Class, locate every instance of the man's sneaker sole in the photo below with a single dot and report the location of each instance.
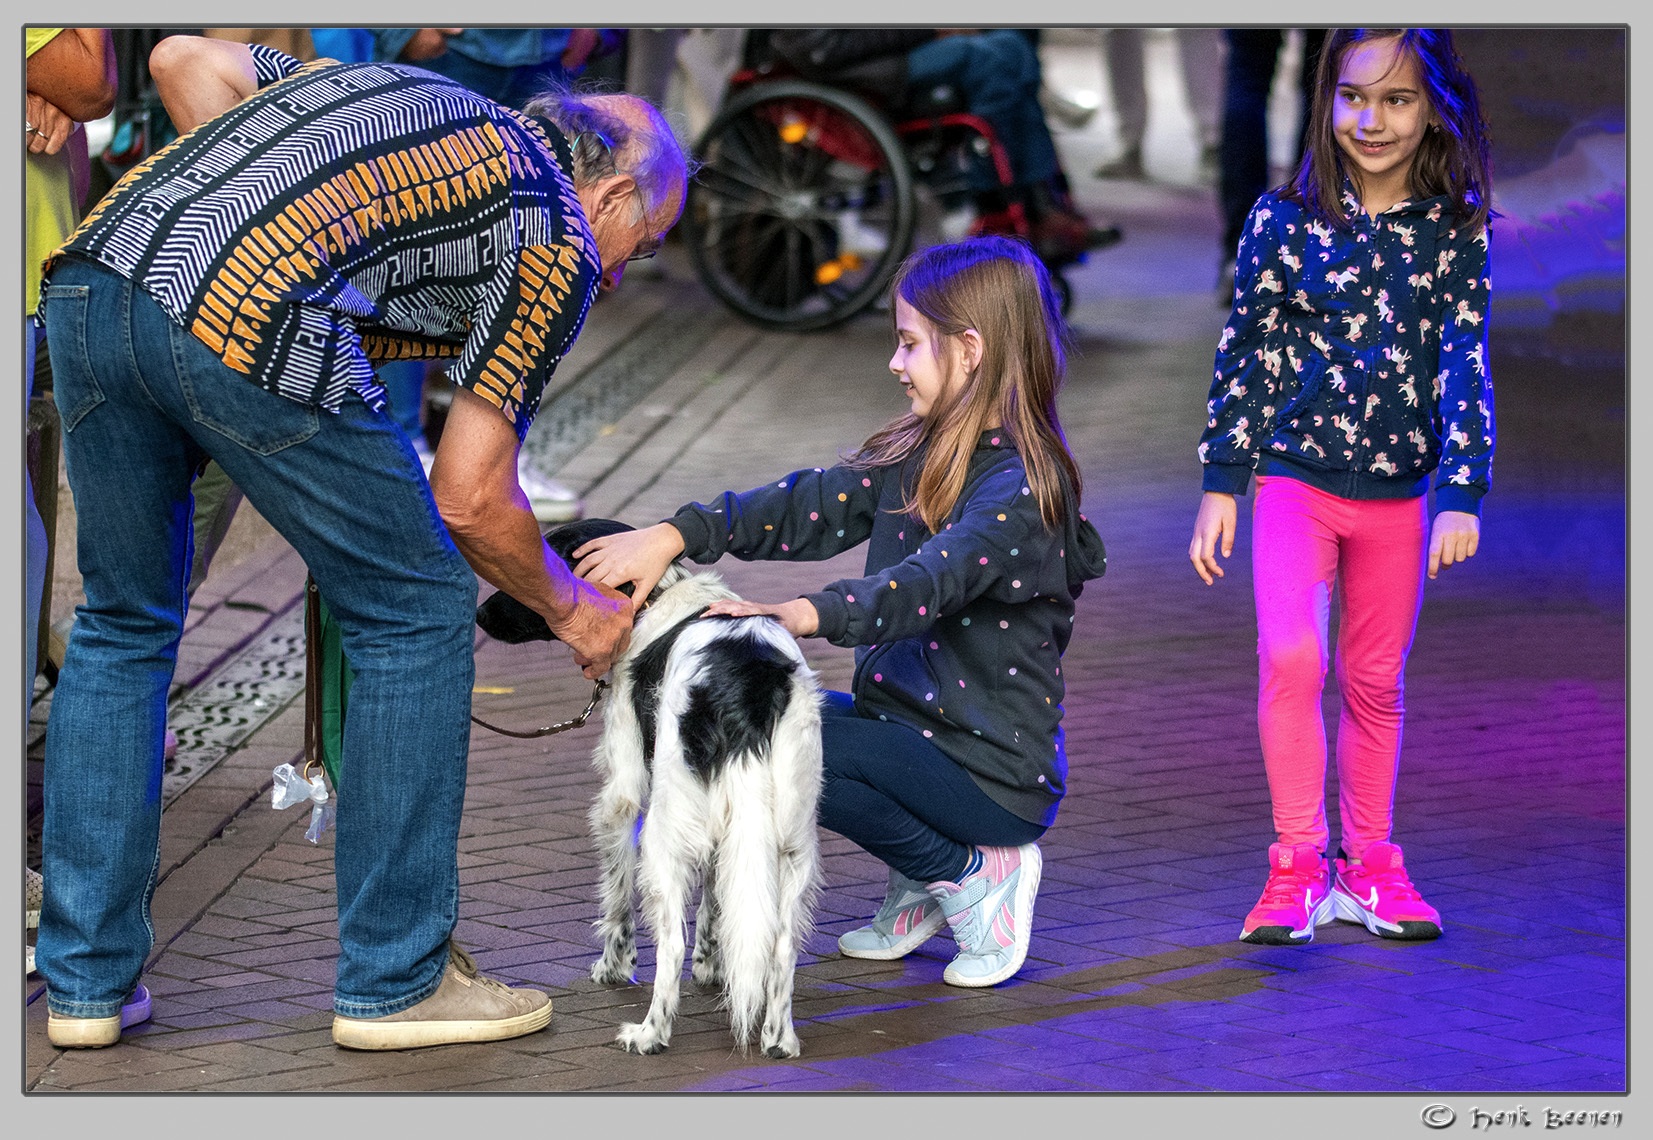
(915, 938)
(1027, 888)
(1323, 913)
(1349, 910)
(371, 1034)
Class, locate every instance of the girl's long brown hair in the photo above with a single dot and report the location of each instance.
(1454, 158)
(996, 286)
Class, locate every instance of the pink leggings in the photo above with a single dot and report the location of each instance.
(1305, 543)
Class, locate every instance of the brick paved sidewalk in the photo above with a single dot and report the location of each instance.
(1511, 803)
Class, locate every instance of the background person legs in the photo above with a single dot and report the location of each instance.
(1128, 84)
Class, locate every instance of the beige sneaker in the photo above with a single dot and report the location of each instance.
(98, 1032)
(465, 1007)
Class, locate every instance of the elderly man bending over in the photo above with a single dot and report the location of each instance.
(227, 299)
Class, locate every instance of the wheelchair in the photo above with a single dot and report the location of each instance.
(809, 196)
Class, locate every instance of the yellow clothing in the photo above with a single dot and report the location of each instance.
(49, 207)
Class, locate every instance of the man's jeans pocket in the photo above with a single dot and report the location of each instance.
(235, 407)
(74, 389)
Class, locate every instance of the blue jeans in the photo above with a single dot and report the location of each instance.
(998, 74)
(903, 799)
(143, 403)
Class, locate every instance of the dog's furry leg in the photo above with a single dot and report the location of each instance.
(671, 849)
(797, 760)
(613, 818)
(707, 964)
(614, 823)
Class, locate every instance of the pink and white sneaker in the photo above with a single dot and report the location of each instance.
(1377, 893)
(1296, 899)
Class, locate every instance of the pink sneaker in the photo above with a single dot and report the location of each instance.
(1296, 899)
(1378, 894)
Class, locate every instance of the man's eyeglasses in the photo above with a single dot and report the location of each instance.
(646, 249)
(650, 245)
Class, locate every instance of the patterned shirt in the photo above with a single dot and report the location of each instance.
(354, 213)
(1355, 360)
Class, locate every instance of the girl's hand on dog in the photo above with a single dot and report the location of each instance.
(597, 629)
(636, 556)
(798, 616)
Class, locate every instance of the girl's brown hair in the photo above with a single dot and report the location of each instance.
(1454, 158)
(996, 286)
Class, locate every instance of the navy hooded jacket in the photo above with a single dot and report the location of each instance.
(1355, 360)
(958, 635)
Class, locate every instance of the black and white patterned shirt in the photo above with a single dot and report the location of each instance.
(355, 213)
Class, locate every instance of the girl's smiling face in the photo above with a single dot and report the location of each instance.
(928, 366)
(1379, 116)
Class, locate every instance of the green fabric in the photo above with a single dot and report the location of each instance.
(333, 681)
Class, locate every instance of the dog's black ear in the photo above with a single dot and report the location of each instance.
(505, 619)
(566, 539)
(569, 537)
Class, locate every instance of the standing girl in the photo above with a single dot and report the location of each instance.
(1354, 364)
(947, 762)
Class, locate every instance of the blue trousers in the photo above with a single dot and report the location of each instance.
(998, 73)
(903, 799)
(142, 403)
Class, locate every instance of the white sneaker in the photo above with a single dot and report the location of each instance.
(855, 236)
(551, 501)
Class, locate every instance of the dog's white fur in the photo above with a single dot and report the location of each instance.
(748, 833)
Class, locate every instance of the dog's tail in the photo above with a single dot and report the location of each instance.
(768, 865)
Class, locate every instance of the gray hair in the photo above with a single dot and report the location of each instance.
(604, 142)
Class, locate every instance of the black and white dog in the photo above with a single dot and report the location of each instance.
(712, 736)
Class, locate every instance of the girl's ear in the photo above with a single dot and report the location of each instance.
(970, 350)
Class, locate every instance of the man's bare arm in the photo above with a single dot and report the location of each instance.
(74, 71)
(474, 480)
(200, 78)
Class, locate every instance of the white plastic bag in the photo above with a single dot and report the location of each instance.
(292, 788)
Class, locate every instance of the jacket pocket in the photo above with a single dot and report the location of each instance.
(1309, 382)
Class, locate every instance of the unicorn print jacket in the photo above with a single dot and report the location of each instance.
(1355, 360)
(958, 635)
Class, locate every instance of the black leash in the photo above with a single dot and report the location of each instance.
(548, 730)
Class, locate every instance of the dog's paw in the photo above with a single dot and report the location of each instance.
(707, 972)
(783, 1047)
(608, 972)
(637, 1037)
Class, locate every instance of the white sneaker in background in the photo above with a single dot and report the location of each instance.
(1073, 113)
(551, 501)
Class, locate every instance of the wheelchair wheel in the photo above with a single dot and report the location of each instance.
(803, 206)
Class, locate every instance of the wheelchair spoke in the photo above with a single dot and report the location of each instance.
(734, 190)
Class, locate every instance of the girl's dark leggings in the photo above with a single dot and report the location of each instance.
(903, 799)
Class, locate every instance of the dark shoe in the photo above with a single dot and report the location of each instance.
(1127, 166)
(1062, 236)
(465, 1007)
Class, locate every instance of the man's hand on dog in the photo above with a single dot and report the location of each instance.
(636, 556)
(798, 616)
(597, 628)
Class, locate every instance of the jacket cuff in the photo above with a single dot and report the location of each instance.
(833, 614)
(697, 536)
(1452, 497)
(1226, 478)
